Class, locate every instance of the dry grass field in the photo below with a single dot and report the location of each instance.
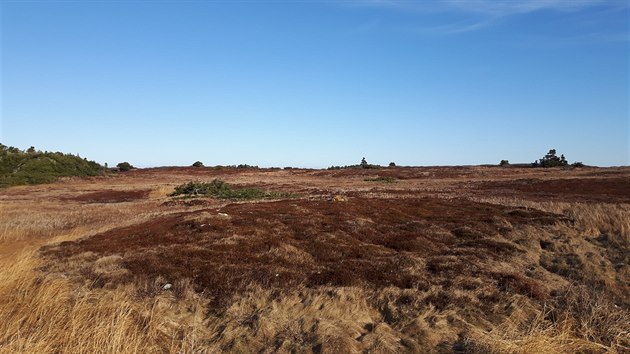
(421, 260)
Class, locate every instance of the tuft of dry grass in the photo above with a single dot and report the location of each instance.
(49, 314)
(579, 321)
(592, 219)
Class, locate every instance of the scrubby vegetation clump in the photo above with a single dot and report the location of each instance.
(124, 166)
(362, 164)
(18, 167)
(551, 160)
(221, 190)
(386, 179)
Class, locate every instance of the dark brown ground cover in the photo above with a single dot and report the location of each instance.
(291, 243)
(110, 196)
(616, 189)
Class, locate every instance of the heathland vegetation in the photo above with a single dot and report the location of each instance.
(447, 259)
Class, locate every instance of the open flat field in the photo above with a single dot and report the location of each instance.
(422, 260)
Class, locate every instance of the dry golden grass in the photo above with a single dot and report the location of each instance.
(585, 323)
(49, 314)
(592, 219)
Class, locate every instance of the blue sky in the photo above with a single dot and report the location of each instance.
(317, 83)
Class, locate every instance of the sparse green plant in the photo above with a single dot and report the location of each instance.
(386, 179)
(221, 190)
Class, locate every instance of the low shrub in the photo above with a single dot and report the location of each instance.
(381, 179)
(124, 166)
(221, 190)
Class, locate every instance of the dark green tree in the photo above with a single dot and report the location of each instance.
(364, 163)
(551, 160)
(197, 164)
(124, 166)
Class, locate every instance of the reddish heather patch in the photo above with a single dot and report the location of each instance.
(573, 189)
(289, 243)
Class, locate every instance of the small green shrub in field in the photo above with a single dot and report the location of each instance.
(221, 190)
(381, 179)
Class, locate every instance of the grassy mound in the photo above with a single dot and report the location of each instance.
(19, 167)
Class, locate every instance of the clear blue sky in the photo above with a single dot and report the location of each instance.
(317, 83)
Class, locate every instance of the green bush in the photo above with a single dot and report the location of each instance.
(19, 167)
(124, 166)
(381, 179)
(504, 163)
(197, 164)
(244, 165)
(551, 160)
(221, 190)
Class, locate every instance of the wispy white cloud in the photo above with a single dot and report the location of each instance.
(503, 8)
(495, 8)
(457, 27)
(485, 13)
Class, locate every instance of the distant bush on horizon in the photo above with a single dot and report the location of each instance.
(362, 164)
(551, 160)
(18, 167)
(125, 166)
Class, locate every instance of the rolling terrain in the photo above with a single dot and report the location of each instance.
(399, 259)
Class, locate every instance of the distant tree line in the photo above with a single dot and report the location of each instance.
(362, 164)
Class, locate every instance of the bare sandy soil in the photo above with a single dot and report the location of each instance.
(443, 259)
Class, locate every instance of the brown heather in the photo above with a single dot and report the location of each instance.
(459, 259)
